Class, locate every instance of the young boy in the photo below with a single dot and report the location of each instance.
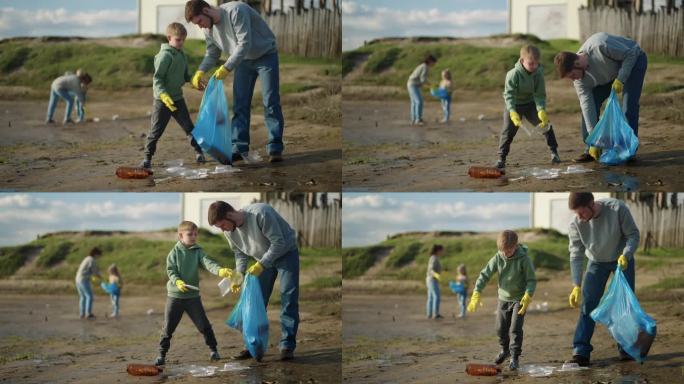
(525, 95)
(182, 265)
(170, 73)
(517, 282)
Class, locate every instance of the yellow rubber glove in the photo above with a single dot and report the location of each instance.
(437, 276)
(95, 279)
(515, 118)
(617, 86)
(221, 73)
(256, 269)
(236, 282)
(226, 272)
(197, 81)
(168, 101)
(181, 285)
(574, 298)
(543, 117)
(474, 301)
(524, 302)
(623, 262)
(595, 152)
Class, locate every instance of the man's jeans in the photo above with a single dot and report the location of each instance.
(55, 95)
(432, 297)
(85, 297)
(416, 102)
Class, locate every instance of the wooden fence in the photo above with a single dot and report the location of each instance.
(660, 32)
(659, 216)
(317, 220)
(313, 32)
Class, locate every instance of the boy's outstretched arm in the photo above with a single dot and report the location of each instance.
(482, 280)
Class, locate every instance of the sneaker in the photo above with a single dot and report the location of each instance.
(513, 365)
(624, 356)
(420, 122)
(579, 360)
(584, 158)
(160, 360)
(275, 157)
(214, 356)
(243, 355)
(503, 355)
(286, 354)
(500, 164)
(439, 317)
(49, 121)
(555, 159)
(69, 121)
(237, 156)
(200, 158)
(91, 317)
(147, 164)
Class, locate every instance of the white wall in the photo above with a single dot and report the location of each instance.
(155, 15)
(548, 19)
(194, 206)
(550, 210)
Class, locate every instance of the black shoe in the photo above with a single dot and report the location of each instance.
(624, 356)
(90, 317)
(500, 164)
(49, 121)
(237, 157)
(214, 356)
(286, 354)
(513, 365)
(69, 121)
(147, 164)
(200, 158)
(160, 360)
(243, 355)
(579, 360)
(438, 317)
(584, 158)
(275, 157)
(503, 355)
(555, 159)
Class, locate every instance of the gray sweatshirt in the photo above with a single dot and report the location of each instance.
(264, 235)
(87, 269)
(419, 75)
(604, 238)
(241, 33)
(610, 57)
(433, 266)
(71, 83)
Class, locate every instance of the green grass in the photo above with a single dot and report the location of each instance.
(668, 283)
(356, 261)
(326, 282)
(53, 253)
(403, 254)
(12, 258)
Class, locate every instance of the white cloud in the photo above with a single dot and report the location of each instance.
(106, 22)
(15, 200)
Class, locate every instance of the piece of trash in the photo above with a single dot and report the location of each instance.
(163, 180)
(658, 183)
(462, 119)
(536, 370)
(148, 113)
(311, 182)
(543, 173)
(517, 178)
(480, 117)
(224, 169)
(192, 287)
(268, 184)
(228, 367)
(482, 369)
(195, 174)
(115, 117)
(224, 286)
(143, 370)
(198, 371)
(96, 119)
(485, 172)
(526, 130)
(133, 173)
(174, 163)
(577, 168)
(150, 311)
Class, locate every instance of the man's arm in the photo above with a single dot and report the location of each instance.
(629, 230)
(587, 104)
(243, 36)
(623, 53)
(211, 56)
(272, 230)
(577, 249)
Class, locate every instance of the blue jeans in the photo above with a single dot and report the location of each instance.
(446, 108)
(69, 97)
(416, 102)
(246, 73)
(115, 305)
(85, 297)
(462, 299)
(288, 268)
(593, 285)
(432, 297)
(631, 93)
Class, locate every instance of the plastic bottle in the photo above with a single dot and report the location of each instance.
(133, 172)
(482, 369)
(485, 172)
(143, 370)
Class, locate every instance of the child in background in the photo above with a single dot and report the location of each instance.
(69, 87)
(113, 288)
(462, 279)
(415, 81)
(445, 88)
(517, 283)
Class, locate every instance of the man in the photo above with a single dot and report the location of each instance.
(258, 231)
(239, 31)
(603, 231)
(604, 62)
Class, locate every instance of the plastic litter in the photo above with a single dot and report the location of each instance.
(212, 129)
(224, 286)
(440, 93)
(249, 316)
(480, 117)
(133, 173)
(115, 117)
(230, 367)
(96, 119)
(536, 370)
(192, 287)
(485, 172)
(577, 168)
(482, 369)
(224, 169)
(143, 370)
(199, 371)
(613, 134)
(150, 311)
(457, 288)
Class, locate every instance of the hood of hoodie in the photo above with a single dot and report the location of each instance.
(520, 251)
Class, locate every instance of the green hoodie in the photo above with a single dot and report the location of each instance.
(523, 87)
(183, 263)
(516, 275)
(170, 72)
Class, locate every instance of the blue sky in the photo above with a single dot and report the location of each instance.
(364, 20)
(23, 216)
(367, 218)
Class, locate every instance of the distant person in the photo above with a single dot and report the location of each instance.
(87, 272)
(70, 87)
(445, 86)
(237, 30)
(525, 96)
(170, 73)
(517, 282)
(182, 266)
(113, 288)
(432, 279)
(417, 79)
(462, 279)
(603, 63)
(604, 232)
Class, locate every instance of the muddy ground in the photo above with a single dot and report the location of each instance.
(84, 157)
(383, 152)
(388, 339)
(42, 340)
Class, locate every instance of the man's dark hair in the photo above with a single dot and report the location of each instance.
(95, 252)
(565, 63)
(436, 248)
(580, 199)
(194, 8)
(218, 211)
(430, 59)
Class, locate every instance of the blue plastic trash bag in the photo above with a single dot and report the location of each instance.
(249, 316)
(110, 288)
(212, 128)
(457, 288)
(620, 311)
(440, 93)
(613, 134)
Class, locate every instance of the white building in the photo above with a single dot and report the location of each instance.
(547, 19)
(155, 15)
(550, 210)
(195, 206)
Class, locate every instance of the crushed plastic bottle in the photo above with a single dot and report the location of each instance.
(482, 369)
(143, 370)
(485, 172)
(133, 173)
(224, 286)
(199, 371)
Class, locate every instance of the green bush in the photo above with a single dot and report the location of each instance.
(53, 254)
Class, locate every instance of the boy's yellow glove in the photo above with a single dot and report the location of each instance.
(574, 298)
(225, 272)
(437, 276)
(617, 86)
(168, 101)
(524, 302)
(221, 73)
(543, 117)
(515, 118)
(623, 262)
(256, 269)
(474, 301)
(181, 285)
(197, 81)
(595, 152)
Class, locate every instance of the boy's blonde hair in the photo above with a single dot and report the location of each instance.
(176, 30)
(186, 226)
(529, 52)
(506, 240)
(446, 74)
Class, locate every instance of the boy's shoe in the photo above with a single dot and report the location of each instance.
(237, 156)
(275, 157)
(90, 317)
(500, 164)
(160, 360)
(579, 360)
(584, 158)
(69, 121)
(200, 158)
(49, 121)
(513, 365)
(503, 355)
(438, 317)
(147, 164)
(243, 355)
(286, 354)
(214, 356)
(555, 159)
